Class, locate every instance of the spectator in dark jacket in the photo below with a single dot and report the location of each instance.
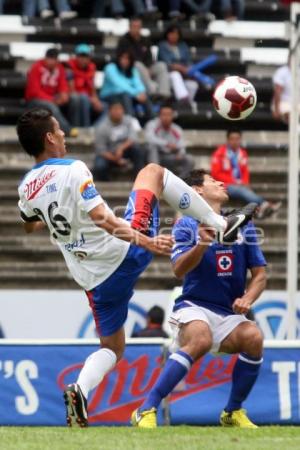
(230, 164)
(155, 319)
(83, 96)
(154, 74)
(122, 82)
(116, 143)
(47, 87)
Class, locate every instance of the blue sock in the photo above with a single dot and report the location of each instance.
(244, 375)
(176, 368)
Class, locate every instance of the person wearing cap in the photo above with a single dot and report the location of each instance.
(83, 96)
(47, 87)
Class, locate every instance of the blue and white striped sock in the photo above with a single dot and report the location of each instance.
(176, 368)
(244, 375)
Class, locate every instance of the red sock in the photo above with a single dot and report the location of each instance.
(144, 202)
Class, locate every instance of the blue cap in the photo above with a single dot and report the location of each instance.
(83, 49)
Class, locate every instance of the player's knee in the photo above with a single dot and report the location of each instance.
(154, 169)
(253, 341)
(198, 346)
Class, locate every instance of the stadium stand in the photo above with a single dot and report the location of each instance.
(254, 54)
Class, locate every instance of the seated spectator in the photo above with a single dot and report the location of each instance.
(117, 8)
(282, 90)
(199, 8)
(116, 143)
(154, 74)
(47, 87)
(122, 82)
(83, 96)
(176, 54)
(155, 320)
(230, 164)
(63, 9)
(2, 6)
(166, 144)
(231, 9)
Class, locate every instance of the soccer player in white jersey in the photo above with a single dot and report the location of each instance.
(104, 254)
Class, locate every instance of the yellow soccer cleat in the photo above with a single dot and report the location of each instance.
(236, 418)
(144, 419)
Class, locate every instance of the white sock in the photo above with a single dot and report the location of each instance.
(96, 366)
(185, 200)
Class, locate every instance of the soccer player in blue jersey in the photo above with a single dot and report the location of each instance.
(105, 254)
(210, 313)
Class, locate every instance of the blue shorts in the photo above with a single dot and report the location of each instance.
(109, 300)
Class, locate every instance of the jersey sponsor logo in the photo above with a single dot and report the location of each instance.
(76, 244)
(88, 190)
(34, 186)
(224, 262)
(185, 201)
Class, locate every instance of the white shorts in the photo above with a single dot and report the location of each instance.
(220, 326)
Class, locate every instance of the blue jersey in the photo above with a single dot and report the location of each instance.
(220, 277)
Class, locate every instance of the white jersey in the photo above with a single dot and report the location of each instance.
(61, 192)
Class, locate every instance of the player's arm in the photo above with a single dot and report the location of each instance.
(256, 286)
(31, 221)
(277, 96)
(191, 258)
(119, 228)
(31, 227)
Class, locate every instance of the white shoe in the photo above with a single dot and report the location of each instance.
(46, 14)
(68, 15)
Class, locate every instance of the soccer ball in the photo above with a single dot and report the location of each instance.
(234, 98)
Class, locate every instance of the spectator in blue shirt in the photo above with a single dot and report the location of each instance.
(210, 313)
(123, 83)
(185, 75)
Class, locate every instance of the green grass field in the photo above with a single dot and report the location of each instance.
(170, 438)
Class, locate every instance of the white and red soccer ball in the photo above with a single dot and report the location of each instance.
(234, 98)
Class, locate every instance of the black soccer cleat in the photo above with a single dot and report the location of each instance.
(235, 221)
(76, 407)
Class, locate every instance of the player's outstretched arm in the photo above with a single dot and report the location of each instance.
(121, 229)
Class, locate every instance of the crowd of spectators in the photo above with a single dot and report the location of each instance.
(173, 9)
(137, 85)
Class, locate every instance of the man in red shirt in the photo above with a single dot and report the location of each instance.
(230, 164)
(81, 77)
(47, 87)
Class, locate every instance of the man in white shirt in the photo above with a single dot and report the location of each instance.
(105, 254)
(282, 91)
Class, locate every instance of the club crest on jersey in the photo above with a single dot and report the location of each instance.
(184, 201)
(88, 190)
(224, 260)
(34, 186)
